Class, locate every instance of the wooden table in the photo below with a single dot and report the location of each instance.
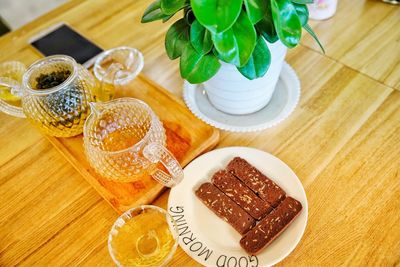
(343, 141)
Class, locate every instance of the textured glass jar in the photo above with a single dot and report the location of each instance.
(125, 140)
(58, 111)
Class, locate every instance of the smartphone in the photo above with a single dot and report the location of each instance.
(62, 39)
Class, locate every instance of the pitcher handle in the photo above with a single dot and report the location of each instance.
(14, 89)
(155, 153)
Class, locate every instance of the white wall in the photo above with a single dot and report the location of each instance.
(19, 12)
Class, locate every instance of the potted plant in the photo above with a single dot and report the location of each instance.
(236, 48)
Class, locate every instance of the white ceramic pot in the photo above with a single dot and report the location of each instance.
(230, 92)
(322, 9)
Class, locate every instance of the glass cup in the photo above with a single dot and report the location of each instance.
(143, 236)
(116, 68)
(11, 73)
(124, 140)
(59, 110)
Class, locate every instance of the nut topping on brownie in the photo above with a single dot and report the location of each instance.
(225, 207)
(241, 194)
(271, 226)
(256, 181)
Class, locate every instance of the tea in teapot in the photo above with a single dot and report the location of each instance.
(55, 93)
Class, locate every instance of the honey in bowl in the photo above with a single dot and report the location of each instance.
(143, 236)
(11, 73)
(6, 95)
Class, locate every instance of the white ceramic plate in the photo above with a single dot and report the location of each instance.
(282, 104)
(211, 241)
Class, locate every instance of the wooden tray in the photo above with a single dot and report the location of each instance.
(187, 137)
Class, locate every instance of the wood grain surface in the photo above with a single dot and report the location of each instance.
(343, 141)
(364, 35)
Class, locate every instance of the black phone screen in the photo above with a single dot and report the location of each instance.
(66, 41)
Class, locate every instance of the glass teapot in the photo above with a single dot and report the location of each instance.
(55, 93)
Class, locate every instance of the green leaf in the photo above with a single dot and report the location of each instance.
(312, 33)
(303, 1)
(153, 12)
(256, 9)
(266, 26)
(267, 29)
(198, 68)
(165, 19)
(176, 39)
(236, 44)
(216, 15)
(170, 7)
(286, 21)
(189, 16)
(302, 12)
(259, 61)
(200, 38)
(215, 53)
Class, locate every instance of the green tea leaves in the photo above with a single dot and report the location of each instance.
(216, 15)
(287, 22)
(198, 68)
(170, 7)
(236, 44)
(259, 61)
(177, 39)
(256, 9)
(200, 38)
(153, 12)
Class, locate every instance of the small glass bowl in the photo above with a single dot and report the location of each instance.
(11, 73)
(143, 236)
(119, 65)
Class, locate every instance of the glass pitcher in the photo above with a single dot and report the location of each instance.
(62, 106)
(124, 140)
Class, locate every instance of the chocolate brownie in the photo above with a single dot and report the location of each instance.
(241, 194)
(271, 226)
(225, 207)
(256, 181)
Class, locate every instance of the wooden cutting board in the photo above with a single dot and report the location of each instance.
(187, 138)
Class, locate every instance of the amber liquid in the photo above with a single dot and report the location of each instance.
(5, 93)
(145, 240)
(106, 89)
(122, 138)
(103, 91)
(62, 115)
